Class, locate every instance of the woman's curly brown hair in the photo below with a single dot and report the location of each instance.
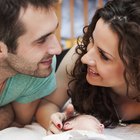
(123, 17)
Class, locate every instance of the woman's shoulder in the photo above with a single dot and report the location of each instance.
(69, 60)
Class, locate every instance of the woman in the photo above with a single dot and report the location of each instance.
(106, 76)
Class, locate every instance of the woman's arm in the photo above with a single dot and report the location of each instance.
(55, 101)
(24, 112)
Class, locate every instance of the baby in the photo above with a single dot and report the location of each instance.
(90, 129)
(83, 122)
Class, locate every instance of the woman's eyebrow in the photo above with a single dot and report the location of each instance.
(101, 48)
(105, 52)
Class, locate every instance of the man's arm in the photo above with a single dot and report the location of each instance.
(55, 101)
(24, 112)
(6, 116)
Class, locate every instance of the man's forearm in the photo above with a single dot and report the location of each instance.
(6, 116)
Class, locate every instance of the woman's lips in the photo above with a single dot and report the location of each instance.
(92, 72)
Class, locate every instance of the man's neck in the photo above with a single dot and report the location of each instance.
(2, 84)
(6, 71)
(5, 74)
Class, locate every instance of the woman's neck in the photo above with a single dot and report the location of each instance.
(122, 97)
(122, 91)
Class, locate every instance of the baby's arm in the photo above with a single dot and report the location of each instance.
(6, 116)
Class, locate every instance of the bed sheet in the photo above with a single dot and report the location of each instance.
(80, 135)
(130, 132)
(29, 132)
(36, 132)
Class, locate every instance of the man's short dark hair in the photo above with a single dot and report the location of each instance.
(10, 27)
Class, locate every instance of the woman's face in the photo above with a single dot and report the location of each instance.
(104, 66)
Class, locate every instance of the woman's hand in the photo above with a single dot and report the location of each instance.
(56, 123)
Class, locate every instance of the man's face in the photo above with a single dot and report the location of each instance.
(37, 45)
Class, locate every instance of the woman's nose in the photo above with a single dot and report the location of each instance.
(88, 59)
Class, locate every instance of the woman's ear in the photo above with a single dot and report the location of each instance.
(67, 126)
(3, 50)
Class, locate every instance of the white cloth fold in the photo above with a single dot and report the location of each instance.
(80, 135)
(36, 132)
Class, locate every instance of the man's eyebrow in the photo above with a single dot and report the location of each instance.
(46, 35)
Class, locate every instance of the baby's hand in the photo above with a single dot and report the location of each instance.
(56, 123)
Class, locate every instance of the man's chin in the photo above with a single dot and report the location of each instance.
(42, 74)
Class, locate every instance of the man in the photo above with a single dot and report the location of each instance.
(28, 46)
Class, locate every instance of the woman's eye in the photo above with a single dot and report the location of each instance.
(103, 56)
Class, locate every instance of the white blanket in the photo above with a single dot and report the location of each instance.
(29, 132)
(80, 135)
(36, 132)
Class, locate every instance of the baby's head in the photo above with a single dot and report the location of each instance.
(83, 122)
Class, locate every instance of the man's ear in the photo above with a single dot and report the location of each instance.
(3, 50)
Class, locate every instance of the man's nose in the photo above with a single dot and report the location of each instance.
(54, 47)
